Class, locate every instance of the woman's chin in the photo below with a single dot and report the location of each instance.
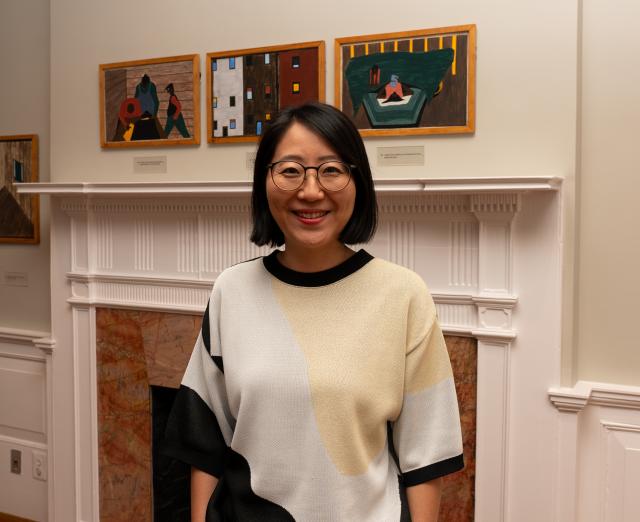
(315, 242)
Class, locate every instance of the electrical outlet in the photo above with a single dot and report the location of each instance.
(39, 464)
(16, 462)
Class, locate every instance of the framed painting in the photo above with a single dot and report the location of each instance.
(247, 88)
(412, 82)
(19, 213)
(150, 103)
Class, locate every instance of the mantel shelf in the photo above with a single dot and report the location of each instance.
(469, 185)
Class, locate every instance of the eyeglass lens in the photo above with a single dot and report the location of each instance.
(290, 175)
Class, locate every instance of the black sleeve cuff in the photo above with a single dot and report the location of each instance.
(433, 471)
(193, 434)
(201, 461)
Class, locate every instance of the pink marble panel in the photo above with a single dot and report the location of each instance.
(134, 350)
(458, 499)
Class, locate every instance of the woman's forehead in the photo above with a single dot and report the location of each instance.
(299, 142)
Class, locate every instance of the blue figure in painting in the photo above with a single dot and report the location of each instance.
(147, 126)
(147, 95)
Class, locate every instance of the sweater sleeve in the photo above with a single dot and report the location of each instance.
(427, 436)
(200, 425)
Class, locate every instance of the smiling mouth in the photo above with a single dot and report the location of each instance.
(311, 215)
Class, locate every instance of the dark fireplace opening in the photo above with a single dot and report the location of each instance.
(171, 502)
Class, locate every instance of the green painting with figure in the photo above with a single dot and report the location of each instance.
(414, 82)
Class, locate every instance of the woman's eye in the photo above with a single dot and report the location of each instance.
(331, 171)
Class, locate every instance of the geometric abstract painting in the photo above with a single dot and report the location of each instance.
(246, 89)
(147, 103)
(19, 213)
(412, 82)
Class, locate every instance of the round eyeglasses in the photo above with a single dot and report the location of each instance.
(290, 175)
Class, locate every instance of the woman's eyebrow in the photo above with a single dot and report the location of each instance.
(296, 157)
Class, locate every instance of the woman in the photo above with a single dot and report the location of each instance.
(320, 388)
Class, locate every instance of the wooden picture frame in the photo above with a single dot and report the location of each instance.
(150, 103)
(410, 82)
(19, 213)
(255, 84)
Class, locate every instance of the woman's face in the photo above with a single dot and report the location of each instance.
(310, 217)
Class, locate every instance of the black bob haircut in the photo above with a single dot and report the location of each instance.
(342, 136)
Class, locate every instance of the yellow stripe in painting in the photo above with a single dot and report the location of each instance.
(366, 49)
(352, 51)
(410, 45)
(441, 42)
(395, 46)
(454, 41)
(381, 47)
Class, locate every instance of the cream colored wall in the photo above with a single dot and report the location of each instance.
(527, 86)
(24, 109)
(526, 119)
(525, 82)
(608, 348)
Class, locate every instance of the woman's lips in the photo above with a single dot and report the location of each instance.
(310, 217)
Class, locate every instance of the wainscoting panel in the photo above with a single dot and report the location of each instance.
(23, 424)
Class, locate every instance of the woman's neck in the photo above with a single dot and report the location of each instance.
(310, 260)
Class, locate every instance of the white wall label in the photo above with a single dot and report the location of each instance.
(150, 165)
(16, 279)
(393, 156)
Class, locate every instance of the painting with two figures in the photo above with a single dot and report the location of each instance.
(150, 102)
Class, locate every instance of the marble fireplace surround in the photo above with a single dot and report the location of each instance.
(489, 249)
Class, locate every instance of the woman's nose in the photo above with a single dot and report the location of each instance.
(311, 188)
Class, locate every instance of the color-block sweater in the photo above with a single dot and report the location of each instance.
(317, 396)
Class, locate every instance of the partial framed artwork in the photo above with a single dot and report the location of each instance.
(150, 103)
(19, 213)
(246, 89)
(411, 82)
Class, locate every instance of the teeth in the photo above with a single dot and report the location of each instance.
(311, 215)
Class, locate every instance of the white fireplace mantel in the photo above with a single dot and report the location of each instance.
(122, 232)
(489, 249)
(383, 186)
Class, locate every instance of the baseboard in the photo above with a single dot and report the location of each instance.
(11, 518)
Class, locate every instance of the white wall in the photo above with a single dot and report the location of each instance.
(525, 79)
(24, 109)
(609, 214)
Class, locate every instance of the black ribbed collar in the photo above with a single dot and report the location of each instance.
(325, 277)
